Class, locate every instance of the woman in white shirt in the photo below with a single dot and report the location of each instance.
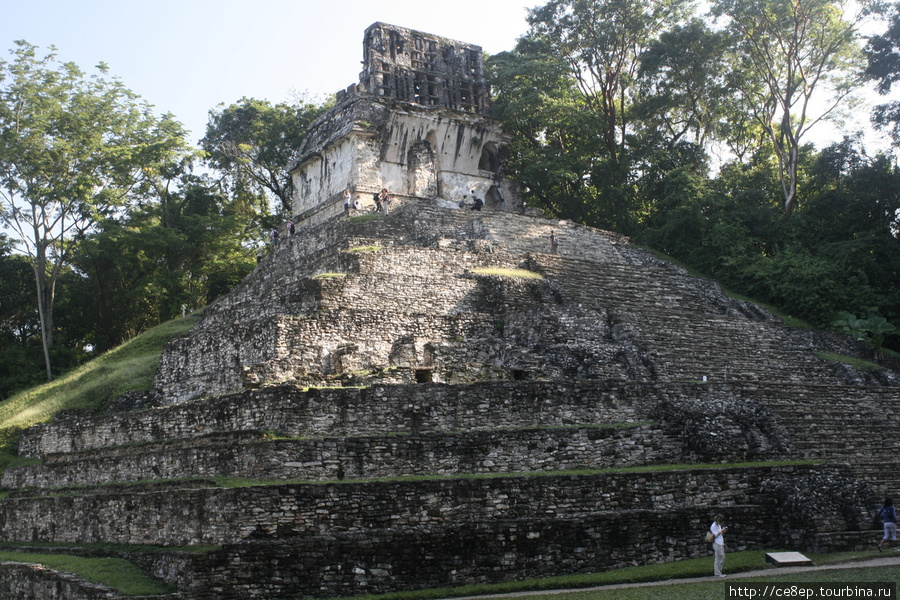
(718, 544)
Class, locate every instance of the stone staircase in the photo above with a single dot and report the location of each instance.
(411, 422)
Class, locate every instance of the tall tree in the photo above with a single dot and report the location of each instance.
(682, 78)
(883, 54)
(148, 266)
(252, 142)
(552, 150)
(72, 148)
(601, 41)
(790, 51)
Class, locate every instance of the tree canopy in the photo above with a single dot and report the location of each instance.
(789, 53)
(601, 42)
(883, 55)
(252, 141)
(72, 149)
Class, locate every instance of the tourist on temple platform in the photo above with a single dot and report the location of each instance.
(477, 203)
(273, 235)
(554, 243)
(385, 198)
(347, 201)
(291, 228)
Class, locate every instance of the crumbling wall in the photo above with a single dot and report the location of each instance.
(178, 515)
(387, 560)
(251, 456)
(418, 124)
(290, 541)
(425, 69)
(383, 148)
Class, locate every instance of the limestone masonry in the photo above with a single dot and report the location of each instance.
(438, 397)
(418, 124)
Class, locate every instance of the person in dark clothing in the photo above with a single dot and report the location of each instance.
(888, 514)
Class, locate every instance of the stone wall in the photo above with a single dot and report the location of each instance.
(245, 455)
(364, 144)
(490, 404)
(231, 515)
(425, 69)
(409, 284)
(332, 412)
(418, 124)
(350, 411)
(471, 384)
(390, 559)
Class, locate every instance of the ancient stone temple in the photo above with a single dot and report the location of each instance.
(418, 124)
(441, 396)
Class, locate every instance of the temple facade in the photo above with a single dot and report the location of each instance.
(418, 124)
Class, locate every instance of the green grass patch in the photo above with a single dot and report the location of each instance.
(363, 249)
(735, 563)
(271, 435)
(329, 275)
(856, 363)
(128, 367)
(696, 567)
(519, 273)
(116, 573)
(716, 589)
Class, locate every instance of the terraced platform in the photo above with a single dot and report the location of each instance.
(388, 404)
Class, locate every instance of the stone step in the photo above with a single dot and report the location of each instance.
(340, 412)
(429, 296)
(434, 407)
(183, 517)
(248, 456)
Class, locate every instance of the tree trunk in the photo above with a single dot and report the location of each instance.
(45, 307)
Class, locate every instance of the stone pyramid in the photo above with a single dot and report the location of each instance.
(439, 396)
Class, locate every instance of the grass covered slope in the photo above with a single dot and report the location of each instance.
(130, 367)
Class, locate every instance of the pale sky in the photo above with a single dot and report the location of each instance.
(187, 56)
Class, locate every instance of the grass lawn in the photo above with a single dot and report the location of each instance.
(116, 573)
(717, 589)
(713, 589)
